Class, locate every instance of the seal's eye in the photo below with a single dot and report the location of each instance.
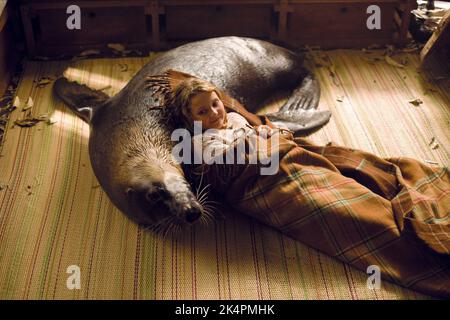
(157, 194)
(129, 192)
(153, 196)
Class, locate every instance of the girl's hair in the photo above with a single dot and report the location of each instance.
(181, 99)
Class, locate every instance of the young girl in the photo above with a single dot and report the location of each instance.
(367, 211)
(197, 100)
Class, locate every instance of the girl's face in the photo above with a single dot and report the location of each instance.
(209, 109)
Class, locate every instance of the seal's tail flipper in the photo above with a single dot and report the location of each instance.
(305, 96)
(300, 112)
(81, 99)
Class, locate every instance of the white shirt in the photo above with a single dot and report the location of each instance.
(215, 141)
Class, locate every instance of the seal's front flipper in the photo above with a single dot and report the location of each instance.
(301, 121)
(81, 99)
(306, 96)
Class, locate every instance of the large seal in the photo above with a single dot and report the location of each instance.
(130, 146)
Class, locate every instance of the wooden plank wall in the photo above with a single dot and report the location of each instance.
(163, 24)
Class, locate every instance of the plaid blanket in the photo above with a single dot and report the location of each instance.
(362, 209)
(355, 206)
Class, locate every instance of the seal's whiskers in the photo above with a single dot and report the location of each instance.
(168, 225)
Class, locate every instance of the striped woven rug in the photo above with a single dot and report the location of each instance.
(54, 215)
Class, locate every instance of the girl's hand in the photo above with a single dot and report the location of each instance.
(264, 130)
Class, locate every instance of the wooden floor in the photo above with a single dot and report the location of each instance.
(53, 214)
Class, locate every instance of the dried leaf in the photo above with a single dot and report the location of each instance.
(29, 105)
(432, 141)
(43, 117)
(90, 52)
(117, 47)
(123, 67)
(31, 121)
(332, 74)
(26, 122)
(416, 102)
(392, 62)
(43, 81)
(390, 49)
(16, 101)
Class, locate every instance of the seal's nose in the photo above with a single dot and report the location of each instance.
(182, 204)
(193, 215)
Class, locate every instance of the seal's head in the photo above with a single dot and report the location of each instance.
(131, 154)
